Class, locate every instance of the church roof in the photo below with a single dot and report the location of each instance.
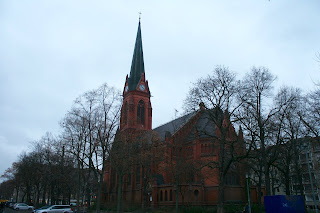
(172, 126)
(205, 126)
(137, 65)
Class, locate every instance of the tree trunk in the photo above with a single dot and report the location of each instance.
(99, 192)
(267, 178)
(88, 195)
(79, 185)
(144, 195)
(17, 196)
(37, 197)
(287, 183)
(259, 192)
(299, 175)
(28, 194)
(264, 157)
(221, 168)
(220, 208)
(119, 193)
(177, 196)
(44, 195)
(22, 200)
(178, 163)
(273, 189)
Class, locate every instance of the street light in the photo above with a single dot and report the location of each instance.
(248, 192)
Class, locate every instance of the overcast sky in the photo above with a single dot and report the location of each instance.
(53, 51)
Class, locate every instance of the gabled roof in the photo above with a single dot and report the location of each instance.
(172, 126)
(137, 65)
(204, 126)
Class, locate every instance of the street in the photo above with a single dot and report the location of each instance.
(9, 210)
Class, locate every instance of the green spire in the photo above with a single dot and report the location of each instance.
(137, 66)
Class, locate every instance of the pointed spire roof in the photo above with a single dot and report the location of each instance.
(137, 66)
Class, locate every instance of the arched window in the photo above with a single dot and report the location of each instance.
(170, 196)
(125, 113)
(196, 192)
(160, 195)
(140, 112)
(166, 195)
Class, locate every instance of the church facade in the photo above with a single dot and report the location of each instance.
(190, 149)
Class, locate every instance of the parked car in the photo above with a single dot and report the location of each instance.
(10, 204)
(22, 206)
(56, 209)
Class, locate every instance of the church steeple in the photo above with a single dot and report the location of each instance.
(136, 112)
(137, 65)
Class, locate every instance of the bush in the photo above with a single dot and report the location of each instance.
(255, 208)
(194, 209)
(132, 208)
(232, 208)
(165, 209)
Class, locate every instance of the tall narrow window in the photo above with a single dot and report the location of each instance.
(125, 113)
(140, 112)
(129, 179)
(113, 178)
(138, 175)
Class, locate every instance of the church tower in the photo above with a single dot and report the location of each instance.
(136, 111)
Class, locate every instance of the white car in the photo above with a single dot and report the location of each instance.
(56, 209)
(22, 206)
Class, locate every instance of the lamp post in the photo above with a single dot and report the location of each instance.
(311, 181)
(248, 192)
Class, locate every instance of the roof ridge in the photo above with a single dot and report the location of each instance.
(195, 112)
(181, 126)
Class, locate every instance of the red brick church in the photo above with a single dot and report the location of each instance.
(189, 141)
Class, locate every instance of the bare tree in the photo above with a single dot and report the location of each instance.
(178, 163)
(11, 175)
(257, 87)
(121, 159)
(287, 129)
(219, 93)
(90, 129)
(310, 116)
(75, 134)
(42, 172)
(180, 167)
(6, 189)
(134, 153)
(265, 121)
(149, 153)
(107, 123)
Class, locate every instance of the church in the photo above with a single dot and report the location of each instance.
(189, 145)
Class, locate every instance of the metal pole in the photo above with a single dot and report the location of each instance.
(314, 197)
(247, 177)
